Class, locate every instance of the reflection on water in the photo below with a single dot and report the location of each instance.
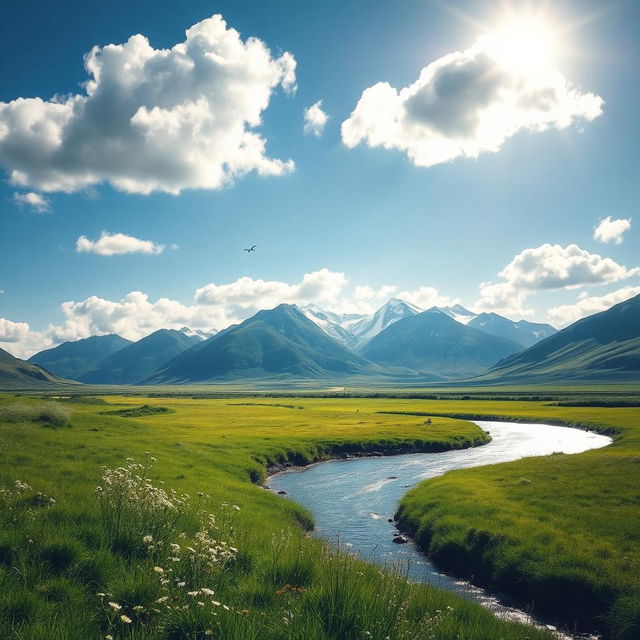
(352, 500)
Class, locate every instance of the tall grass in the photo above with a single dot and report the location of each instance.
(190, 581)
(49, 413)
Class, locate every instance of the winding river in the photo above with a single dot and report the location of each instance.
(352, 500)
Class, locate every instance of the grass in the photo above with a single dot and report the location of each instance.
(136, 557)
(137, 412)
(49, 413)
(559, 532)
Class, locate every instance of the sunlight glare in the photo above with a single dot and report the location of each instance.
(523, 46)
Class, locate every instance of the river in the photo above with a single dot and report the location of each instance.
(352, 500)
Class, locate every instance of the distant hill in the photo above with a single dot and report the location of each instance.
(602, 346)
(433, 342)
(72, 359)
(140, 359)
(389, 313)
(20, 374)
(523, 332)
(278, 342)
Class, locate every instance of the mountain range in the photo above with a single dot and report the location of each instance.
(72, 359)
(355, 330)
(604, 346)
(398, 343)
(433, 342)
(139, 360)
(281, 341)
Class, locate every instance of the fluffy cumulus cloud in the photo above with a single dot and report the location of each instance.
(502, 298)
(466, 103)
(315, 119)
(133, 317)
(551, 266)
(152, 119)
(609, 230)
(427, 297)
(20, 340)
(547, 267)
(247, 295)
(111, 244)
(13, 331)
(586, 305)
(36, 201)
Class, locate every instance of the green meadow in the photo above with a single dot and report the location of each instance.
(144, 518)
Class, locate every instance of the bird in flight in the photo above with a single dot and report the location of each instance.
(250, 249)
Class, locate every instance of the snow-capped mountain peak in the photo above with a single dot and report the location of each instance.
(196, 333)
(390, 312)
(458, 313)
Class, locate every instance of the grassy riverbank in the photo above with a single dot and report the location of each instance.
(229, 560)
(559, 532)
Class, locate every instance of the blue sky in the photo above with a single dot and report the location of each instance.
(366, 212)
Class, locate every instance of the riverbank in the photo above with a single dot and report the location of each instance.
(352, 500)
(268, 581)
(560, 533)
(353, 451)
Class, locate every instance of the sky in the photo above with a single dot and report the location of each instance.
(482, 153)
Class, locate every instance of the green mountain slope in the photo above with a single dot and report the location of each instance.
(20, 374)
(523, 332)
(72, 359)
(140, 359)
(432, 342)
(602, 346)
(281, 342)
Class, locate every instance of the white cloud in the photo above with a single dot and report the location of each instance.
(110, 244)
(502, 298)
(152, 119)
(315, 119)
(555, 267)
(609, 230)
(36, 201)
(133, 317)
(427, 297)
(466, 103)
(20, 340)
(547, 267)
(586, 305)
(13, 331)
(249, 295)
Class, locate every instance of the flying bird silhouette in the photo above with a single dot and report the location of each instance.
(250, 249)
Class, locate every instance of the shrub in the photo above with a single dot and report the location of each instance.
(50, 413)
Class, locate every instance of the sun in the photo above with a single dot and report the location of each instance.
(524, 45)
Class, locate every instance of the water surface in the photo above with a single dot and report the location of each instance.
(352, 500)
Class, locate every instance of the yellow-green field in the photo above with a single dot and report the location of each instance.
(54, 558)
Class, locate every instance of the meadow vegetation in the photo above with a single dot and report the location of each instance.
(560, 532)
(152, 527)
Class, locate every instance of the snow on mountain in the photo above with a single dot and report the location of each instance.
(458, 313)
(196, 333)
(355, 329)
(333, 324)
(394, 310)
